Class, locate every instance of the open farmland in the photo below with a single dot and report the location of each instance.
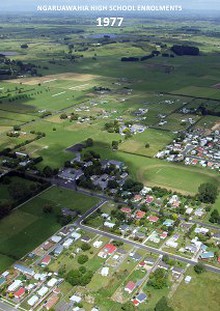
(73, 95)
(20, 230)
(194, 296)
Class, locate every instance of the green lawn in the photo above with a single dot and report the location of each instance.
(201, 294)
(177, 177)
(154, 172)
(27, 227)
(155, 138)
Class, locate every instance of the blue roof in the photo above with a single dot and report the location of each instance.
(2, 280)
(168, 222)
(141, 297)
(24, 269)
(207, 255)
(204, 247)
(58, 249)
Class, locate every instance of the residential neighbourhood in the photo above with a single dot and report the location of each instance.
(195, 148)
(38, 280)
(109, 156)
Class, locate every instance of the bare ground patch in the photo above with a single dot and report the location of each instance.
(216, 86)
(216, 127)
(51, 78)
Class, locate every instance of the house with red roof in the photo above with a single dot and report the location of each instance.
(149, 199)
(140, 214)
(19, 293)
(135, 302)
(163, 235)
(130, 287)
(194, 162)
(137, 198)
(46, 260)
(107, 250)
(141, 264)
(126, 210)
(153, 219)
(51, 302)
(110, 248)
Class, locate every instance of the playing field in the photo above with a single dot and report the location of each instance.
(153, 172)
(27, 227)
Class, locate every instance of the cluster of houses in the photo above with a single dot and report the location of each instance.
(195, 148)
(31, 284)
(132, 129)
(24, 284)
(100, 181)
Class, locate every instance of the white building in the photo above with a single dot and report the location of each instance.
(52, 282)
(75, 299)
(97, 244)
(76, 235)
(56, 238)
(33, 300)
(68, 243)
(42, 291)
(14, 285)
(105, 271)
(109, 224)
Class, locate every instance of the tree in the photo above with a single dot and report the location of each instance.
(162, 305)
(89, 142)
(147, 145)
(112, 184)
(47, 209)
(207, 193)
(215, 217)
(115, 144)
(128, 306)
(158, 279)
(48, 171)
(82, 259)
(82, 269)
(5, 209)
(63, 116)
(79, 277)
(24, 46)
(85, 246)
(199, 268)
(18, 190)
(16, 128)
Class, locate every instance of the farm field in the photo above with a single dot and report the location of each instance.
(6, 192)
(67, 80)
(19, 232)
(194, 296)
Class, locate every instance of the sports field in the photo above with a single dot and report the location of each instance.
(154, 172)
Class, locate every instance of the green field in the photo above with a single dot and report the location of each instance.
(5, 194)
(19, 232)
(201, 294)
(156, 139)
(153, 172)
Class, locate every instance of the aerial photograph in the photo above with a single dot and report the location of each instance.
(110, 155)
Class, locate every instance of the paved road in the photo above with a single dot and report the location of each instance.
(147, 248)
(6, 307)
(72, 186)
(79, 224)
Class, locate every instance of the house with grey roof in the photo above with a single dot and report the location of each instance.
(24, 270)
